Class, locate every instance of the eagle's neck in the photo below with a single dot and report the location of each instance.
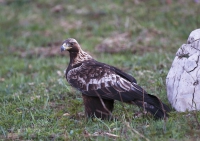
(78, 57)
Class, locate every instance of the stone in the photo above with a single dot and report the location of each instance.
(183, 79)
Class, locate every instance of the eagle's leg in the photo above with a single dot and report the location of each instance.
(95, 108)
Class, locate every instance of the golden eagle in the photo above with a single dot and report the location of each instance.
(101, 84)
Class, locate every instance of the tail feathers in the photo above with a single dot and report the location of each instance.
(154, 105)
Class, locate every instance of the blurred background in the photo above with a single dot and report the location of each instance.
(140, 37)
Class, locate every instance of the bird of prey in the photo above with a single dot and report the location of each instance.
(102, 84)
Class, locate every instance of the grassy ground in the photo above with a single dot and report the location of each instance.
(36, 102)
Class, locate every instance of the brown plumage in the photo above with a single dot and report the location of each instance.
(101, 84)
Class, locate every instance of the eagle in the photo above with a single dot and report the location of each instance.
(101, 84)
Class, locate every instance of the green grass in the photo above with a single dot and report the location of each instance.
(36, 102)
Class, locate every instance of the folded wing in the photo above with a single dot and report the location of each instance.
(96, 79)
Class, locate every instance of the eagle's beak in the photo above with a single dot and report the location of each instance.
(65, 47)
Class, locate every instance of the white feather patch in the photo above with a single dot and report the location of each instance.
(108, 79)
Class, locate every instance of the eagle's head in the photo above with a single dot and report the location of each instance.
(70, 45)
(77, 55)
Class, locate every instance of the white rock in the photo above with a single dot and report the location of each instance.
(183, 79)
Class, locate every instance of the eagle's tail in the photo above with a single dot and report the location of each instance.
(153, 105)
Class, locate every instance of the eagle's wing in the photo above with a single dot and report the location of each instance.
(96, 79)
(93, 78)
(122, 74)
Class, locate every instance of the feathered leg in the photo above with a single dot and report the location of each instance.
(94, 106)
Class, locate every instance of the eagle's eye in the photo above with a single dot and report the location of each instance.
(72, 43)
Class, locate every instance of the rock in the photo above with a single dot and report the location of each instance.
(183, 79)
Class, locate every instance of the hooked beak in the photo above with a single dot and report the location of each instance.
(65, 47)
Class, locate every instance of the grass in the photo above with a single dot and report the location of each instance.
(36, 102)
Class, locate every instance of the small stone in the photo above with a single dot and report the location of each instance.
(66, 114)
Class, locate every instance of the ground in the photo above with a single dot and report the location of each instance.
(139, 37)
